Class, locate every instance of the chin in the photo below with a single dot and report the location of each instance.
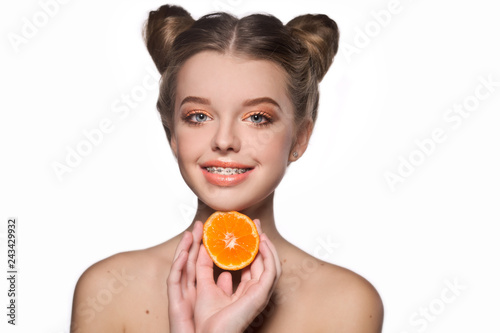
(232, 202)
(225, 205)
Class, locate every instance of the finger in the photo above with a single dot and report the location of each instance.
(193, 253)
(246, 274)
(174, 289)
(257, 266)
(255, 269)
(204, 269)
(225, 282)
(274, 252)
(270, 275)
(257, 224)
(256, 294)
(184, 244)
(198, 230)
(249, 273)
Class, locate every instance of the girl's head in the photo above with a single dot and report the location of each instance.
(304, 48)
(238, 97)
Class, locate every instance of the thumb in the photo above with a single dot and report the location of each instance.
(225, 282)
(204, 267)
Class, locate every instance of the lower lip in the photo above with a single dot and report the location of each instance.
(225, 180)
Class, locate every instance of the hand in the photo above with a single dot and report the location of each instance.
(217, 308)
(181, 282)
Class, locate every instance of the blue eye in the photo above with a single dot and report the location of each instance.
(200, 117)
(257, 118)
(196, 117)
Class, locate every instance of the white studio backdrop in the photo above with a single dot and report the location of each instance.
(400, 182)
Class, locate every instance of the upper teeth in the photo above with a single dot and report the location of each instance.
(226, 171)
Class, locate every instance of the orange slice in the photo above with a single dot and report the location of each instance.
(231, 240)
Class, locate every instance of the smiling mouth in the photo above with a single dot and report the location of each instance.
(226, 171)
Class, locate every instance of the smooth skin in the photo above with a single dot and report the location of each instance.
(174, 286)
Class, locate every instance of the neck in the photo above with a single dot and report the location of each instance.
(263, 210)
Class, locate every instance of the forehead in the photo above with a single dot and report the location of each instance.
(226, 79)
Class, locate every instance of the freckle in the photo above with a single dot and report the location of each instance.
(284, 260)
(147, 312)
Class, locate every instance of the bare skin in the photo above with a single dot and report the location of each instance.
(310, 296)
(220, 99)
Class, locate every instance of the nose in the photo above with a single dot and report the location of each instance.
(226, 137)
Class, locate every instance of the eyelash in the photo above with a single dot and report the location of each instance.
(190, 114)
(268, 118)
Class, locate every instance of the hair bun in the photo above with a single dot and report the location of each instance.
(160, 30)
(320, 36)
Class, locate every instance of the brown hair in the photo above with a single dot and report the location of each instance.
(304, 48)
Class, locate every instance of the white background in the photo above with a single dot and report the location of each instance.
(439, 224)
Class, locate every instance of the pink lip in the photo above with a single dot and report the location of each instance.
(225, 180)
(225, 164)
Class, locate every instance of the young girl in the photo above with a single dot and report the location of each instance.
(238, 101)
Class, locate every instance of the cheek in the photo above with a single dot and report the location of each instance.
(189, 145)
(272, 145)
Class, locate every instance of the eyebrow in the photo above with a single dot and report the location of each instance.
(261, 100)
(194, 99)
(246, 103)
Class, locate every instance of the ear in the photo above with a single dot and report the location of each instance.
(301, 141)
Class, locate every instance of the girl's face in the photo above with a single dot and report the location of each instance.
(233, 129)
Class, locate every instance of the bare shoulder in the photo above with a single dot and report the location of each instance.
(323, 297)
(109, 291)
(348, 301)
